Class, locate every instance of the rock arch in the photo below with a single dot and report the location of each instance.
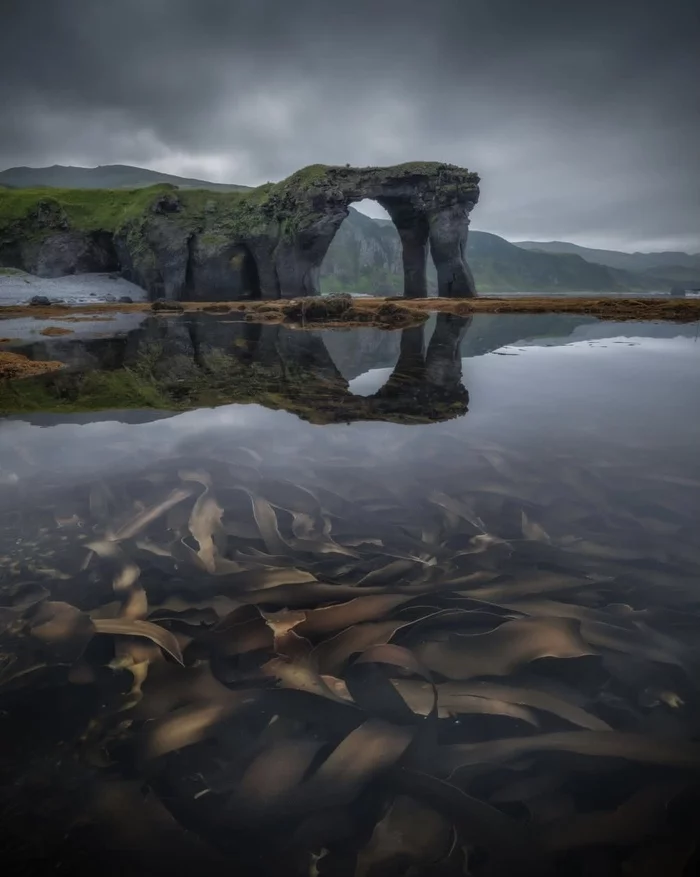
(426, 202)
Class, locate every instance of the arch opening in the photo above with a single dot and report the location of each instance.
(364, 256)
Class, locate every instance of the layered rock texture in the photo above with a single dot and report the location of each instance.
(267, 242)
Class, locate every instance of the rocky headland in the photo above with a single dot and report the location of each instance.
(268, 242)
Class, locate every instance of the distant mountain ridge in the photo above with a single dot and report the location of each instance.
(365, 255)
(110, 176)
(616, 259)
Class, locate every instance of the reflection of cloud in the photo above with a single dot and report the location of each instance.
(613, 332)
(669, 345)
(82, 448)
(581, 392)
(29, 328)
(370, 381)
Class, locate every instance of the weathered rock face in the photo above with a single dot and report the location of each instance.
(268, 242)
(69, 252)
(154, 251)
(219, 270)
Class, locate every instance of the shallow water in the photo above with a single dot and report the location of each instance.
(427, 603)
(17, 287)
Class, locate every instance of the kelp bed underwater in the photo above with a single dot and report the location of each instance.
(206, 668)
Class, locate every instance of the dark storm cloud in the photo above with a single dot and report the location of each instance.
(583, 118)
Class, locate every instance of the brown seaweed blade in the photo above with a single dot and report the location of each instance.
(301, 674)
(135, 627)
(330, 619)
(205, 521)
(640, 642)
(370, 749)
(450, 694)
(125, 584)
(420, 698)
(641, 816)
(189, 725)
(479, 824)
(266, 519)
(276, 772)
(408, 830)
(502, 650)
(608, 744)
(62, 629)
(148, 515)
(332, 654)
(370, 686)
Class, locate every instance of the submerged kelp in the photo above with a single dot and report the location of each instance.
(337, 674)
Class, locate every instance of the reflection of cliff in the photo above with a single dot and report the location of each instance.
(204, 360)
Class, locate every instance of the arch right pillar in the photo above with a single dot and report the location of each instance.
(448, 229)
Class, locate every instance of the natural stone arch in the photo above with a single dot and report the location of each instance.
(426, 202)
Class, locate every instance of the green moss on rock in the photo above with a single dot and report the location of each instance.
(285, 205)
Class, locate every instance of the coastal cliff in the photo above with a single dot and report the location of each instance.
(268, 242)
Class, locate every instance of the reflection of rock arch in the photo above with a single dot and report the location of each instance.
(202, 359)
(425, 386)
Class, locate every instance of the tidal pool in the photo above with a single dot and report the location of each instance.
(353, 602)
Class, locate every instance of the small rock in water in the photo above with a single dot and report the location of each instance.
(38, 301)
(126, 299)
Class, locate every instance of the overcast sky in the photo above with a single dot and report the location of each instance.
(583, 118)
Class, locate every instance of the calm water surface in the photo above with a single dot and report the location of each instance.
(414, 603)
